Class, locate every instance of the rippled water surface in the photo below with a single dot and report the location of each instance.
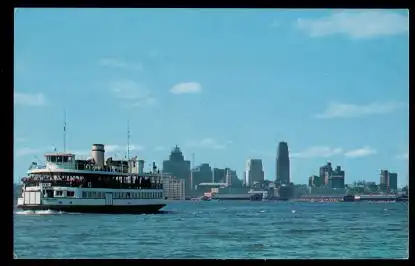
(220, 230)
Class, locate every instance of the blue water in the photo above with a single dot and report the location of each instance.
(221, 230)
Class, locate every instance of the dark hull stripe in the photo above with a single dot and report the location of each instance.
(108, 209)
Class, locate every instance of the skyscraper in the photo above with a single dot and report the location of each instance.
(388, 180)
(283, 164)
(254, 172)
(178, 167)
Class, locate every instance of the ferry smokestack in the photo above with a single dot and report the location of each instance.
(98, 153)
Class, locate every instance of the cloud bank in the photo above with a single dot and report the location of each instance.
(356, 24)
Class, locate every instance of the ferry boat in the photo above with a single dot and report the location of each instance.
(91, 186)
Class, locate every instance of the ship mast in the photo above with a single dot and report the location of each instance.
(128, 141)
(64, 130)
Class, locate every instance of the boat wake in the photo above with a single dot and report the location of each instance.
(52, 212)
(43, 212)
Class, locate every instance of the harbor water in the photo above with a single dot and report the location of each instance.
(227, 229)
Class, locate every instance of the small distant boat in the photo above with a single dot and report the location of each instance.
(205, 198)
(349, 198)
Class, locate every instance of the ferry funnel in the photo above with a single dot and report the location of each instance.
(98, 153)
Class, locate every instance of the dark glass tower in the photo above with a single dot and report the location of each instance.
(283, 164)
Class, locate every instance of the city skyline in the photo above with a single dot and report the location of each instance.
(334, 93)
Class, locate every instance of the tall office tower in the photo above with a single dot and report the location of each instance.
(384, 179)
(178, 167)
(393, 181)
(254, 172)
(388, 181)
(283, 164)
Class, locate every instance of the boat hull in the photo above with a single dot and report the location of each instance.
(105, 209)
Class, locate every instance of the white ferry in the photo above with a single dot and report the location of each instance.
(91, 186)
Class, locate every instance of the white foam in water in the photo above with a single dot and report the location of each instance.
(293, 211)
(45, 212)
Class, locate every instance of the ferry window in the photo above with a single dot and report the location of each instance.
(84, 195)
(65, 159)
(53, 159)
(70, 193)
(128, 195)
(58, 193)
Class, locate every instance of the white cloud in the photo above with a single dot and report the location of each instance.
(20, 140)
(207, 143)
(404, 156)
(122, 148)
(133, 94)
(186, 87)
(362, 152)
(29, 99)
(317, 151)
(343, 110)
(357, 24)
(111, 62)
(159, 148)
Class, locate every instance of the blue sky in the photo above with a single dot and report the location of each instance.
(226, 85)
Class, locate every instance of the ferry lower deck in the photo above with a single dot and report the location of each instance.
(91, 200)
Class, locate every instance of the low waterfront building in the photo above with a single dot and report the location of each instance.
(174, 188)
